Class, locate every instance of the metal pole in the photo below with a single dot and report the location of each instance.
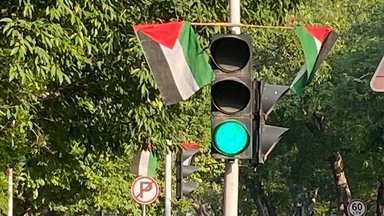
(231, 187)
(10, 191)
(235, 15)
(231, 180)
(168, 183)
(144, 210)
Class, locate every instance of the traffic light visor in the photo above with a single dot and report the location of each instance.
(230, 54)
(230, 137)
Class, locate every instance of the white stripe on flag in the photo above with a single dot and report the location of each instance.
(140, 163)
(299, 74)
(318, 44)
(182, 75)
(144, 162)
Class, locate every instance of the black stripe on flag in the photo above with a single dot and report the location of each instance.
(324, 50)
(160, 69)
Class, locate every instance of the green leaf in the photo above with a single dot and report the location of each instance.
(12, 74)
(6, 20)
(14, 50)
(7, 27)
(35, 194)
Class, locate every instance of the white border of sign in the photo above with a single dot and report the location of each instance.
(352, 212)
(374, 77)
(134, 187)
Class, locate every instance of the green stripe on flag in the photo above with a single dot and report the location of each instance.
(152, 165)
(300, 81)
(316, 43)
(308, 44)
(144, 164)
(195, 57)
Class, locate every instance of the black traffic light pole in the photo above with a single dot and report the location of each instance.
(239, 108)
(232, 108)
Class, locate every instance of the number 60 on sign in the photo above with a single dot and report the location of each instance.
(357, 208)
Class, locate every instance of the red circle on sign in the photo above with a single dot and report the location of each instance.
(357, 208)
(148, 181)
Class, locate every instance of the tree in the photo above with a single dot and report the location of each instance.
(77, 101)
(335, 114)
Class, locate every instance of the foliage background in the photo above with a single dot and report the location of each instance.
(77, 101)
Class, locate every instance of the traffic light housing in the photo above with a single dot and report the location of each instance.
(185, 168)
(232, 96)
(267, 136)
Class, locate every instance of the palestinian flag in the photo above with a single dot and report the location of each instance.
(144, 164)
(316, 42)
(174, 55)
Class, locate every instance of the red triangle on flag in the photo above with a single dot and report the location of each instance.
(163, 33)
(377, 81)
(319, 32)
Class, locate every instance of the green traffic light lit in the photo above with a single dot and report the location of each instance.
(230, 137)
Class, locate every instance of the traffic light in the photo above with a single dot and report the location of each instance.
(185, 168)
(232, 96)
(267, 136)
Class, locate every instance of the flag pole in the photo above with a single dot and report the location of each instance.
(231, 179)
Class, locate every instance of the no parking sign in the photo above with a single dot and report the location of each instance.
(145, 190)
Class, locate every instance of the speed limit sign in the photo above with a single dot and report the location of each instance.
(357, 208)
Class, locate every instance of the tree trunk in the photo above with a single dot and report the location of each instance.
(380, 200)
(263, 200)
(298, 210)
(261, 206)
(310, 209)
(305, 203)
(342, 188)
